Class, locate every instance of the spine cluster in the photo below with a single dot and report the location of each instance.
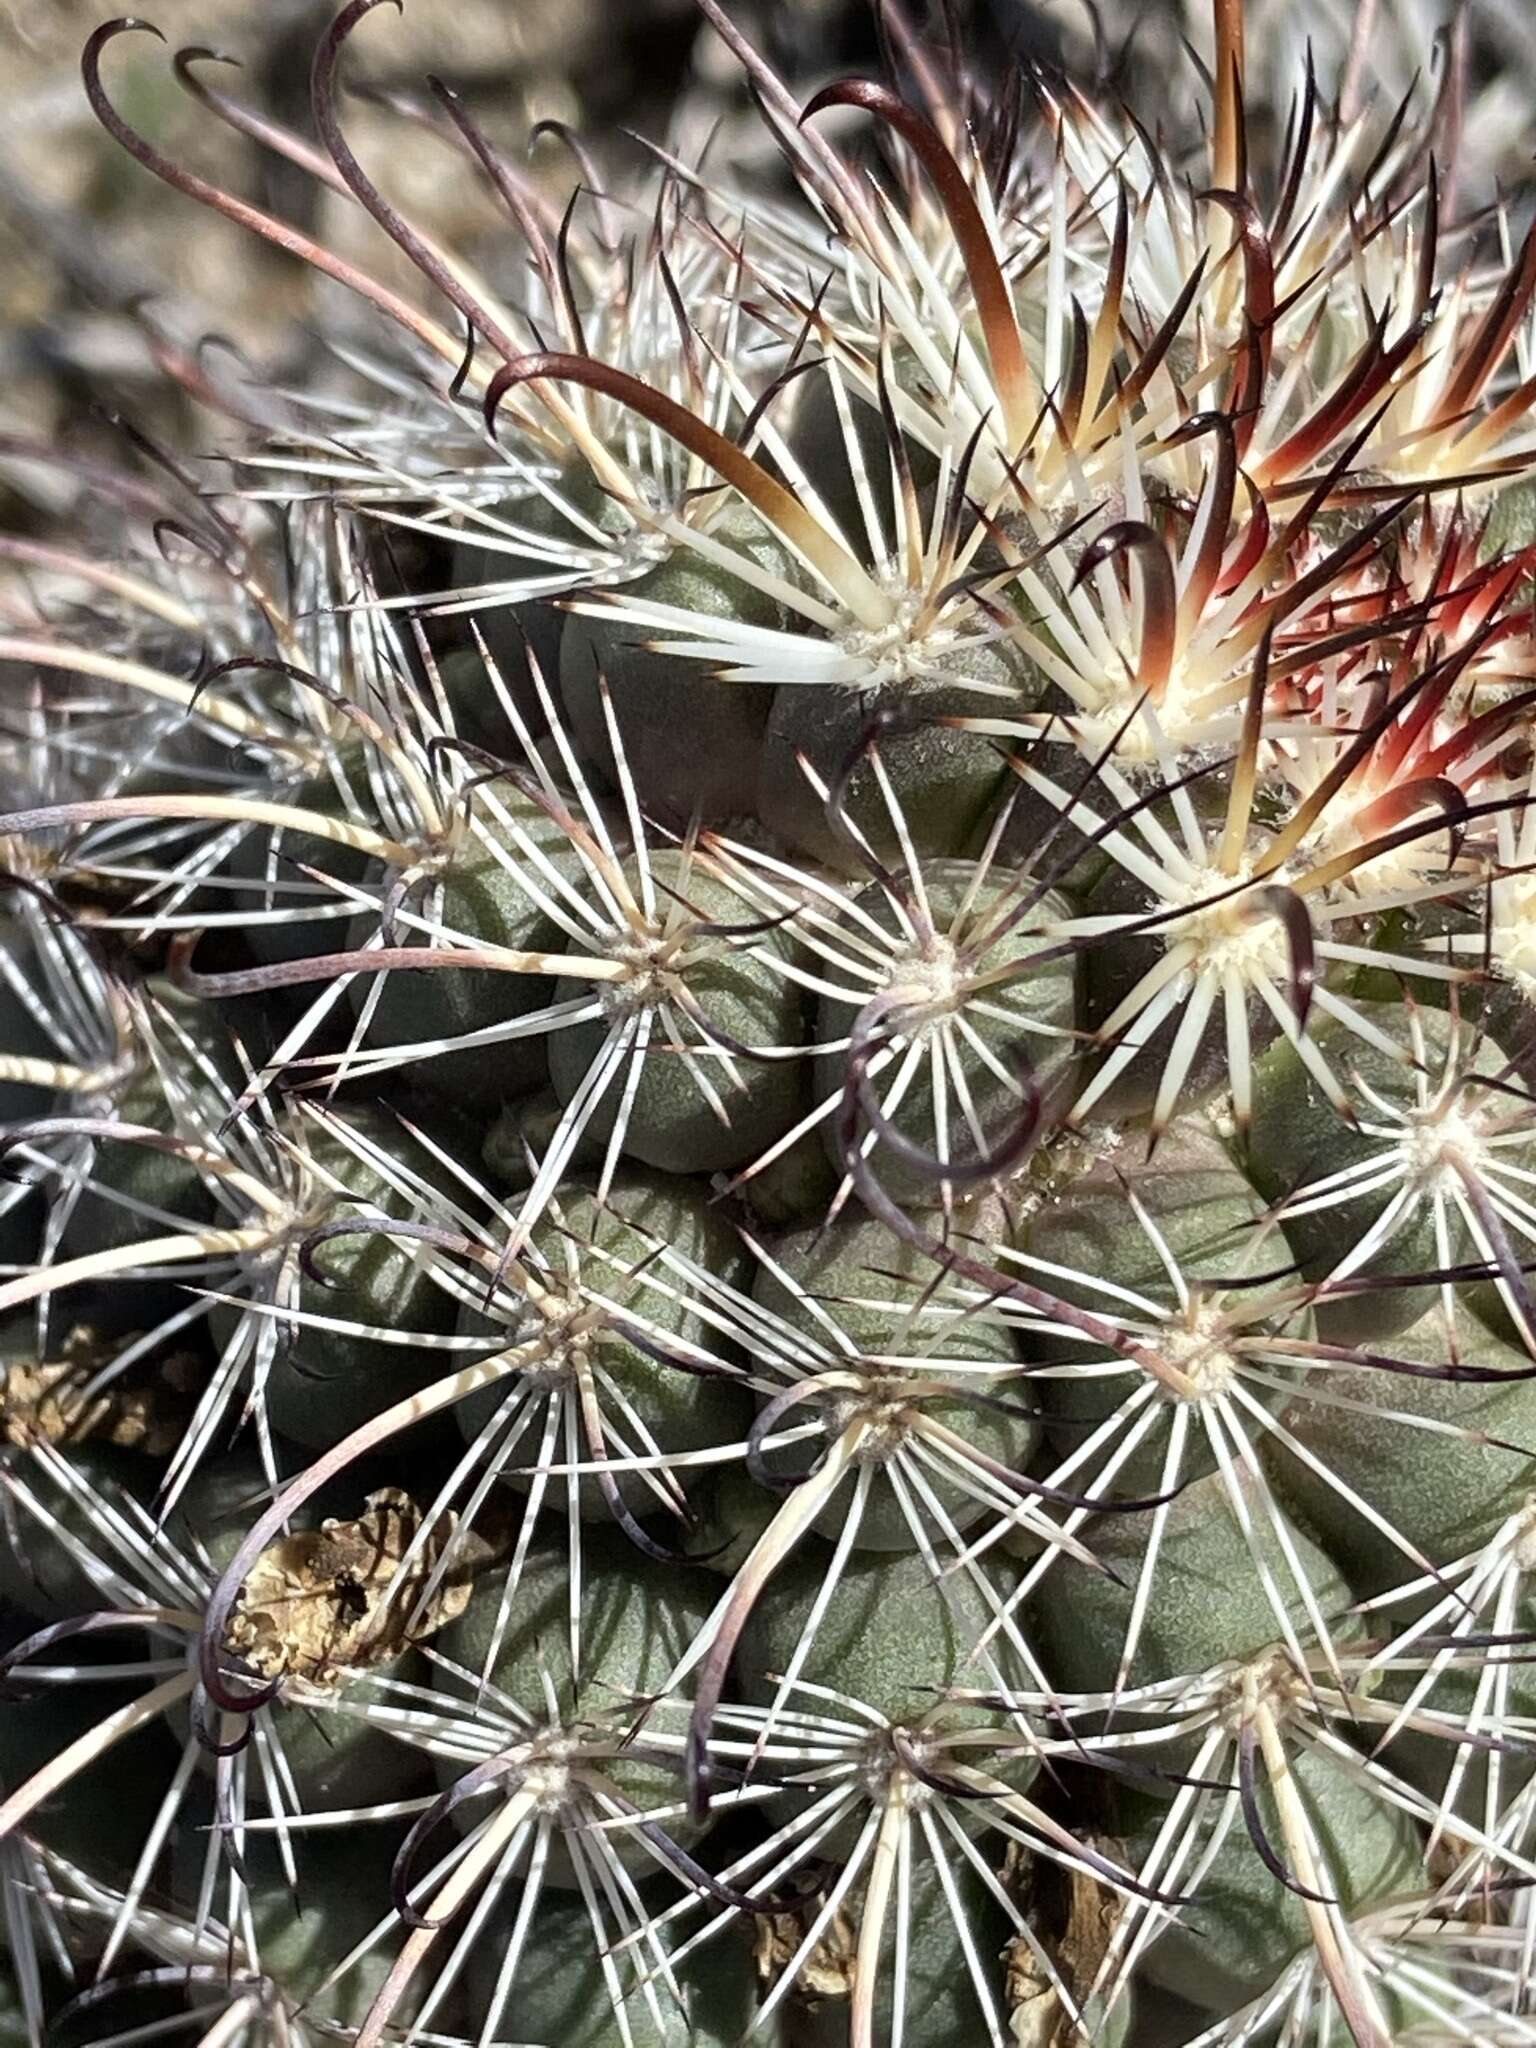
(768, 1101)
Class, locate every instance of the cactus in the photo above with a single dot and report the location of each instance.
(766, 1058)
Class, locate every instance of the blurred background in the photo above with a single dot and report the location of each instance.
(89, 240)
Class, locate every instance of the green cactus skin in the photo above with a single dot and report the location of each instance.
(1208, 1604)
(561, 2001)
(325, 1382)
(885, 1630)
(133, 1173)
(514, 633)
(889, 1637)
(1233, 1941)
(1026, 1025)
(871, 1291)
(940, 1997)
(1296, 1139)
(656, 696)
(521, 1135)
(733, 1512)
(631, 1635)
(1461, 1778)
(612, 1246)
(1395, 1440)
(633, 1632)
(945, 780)
(818, 441)
(479, 895)
(101, 1818)
(39, 1573)
(671, 1125)
(1206, 1216)
(298, 1942)
(275, 860)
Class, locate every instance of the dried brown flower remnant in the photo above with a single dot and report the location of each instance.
(827, 1971)
(1037, 2017)
(47, 1400)
(314, 1605)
